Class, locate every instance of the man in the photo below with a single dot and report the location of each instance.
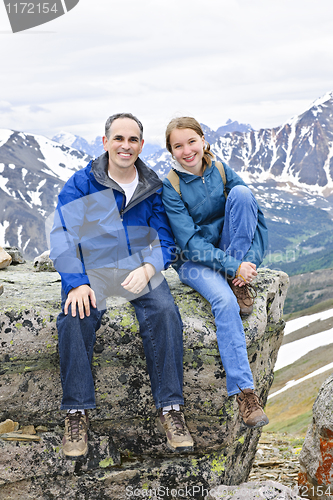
(111, 237)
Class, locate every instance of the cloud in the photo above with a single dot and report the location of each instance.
(5, 107)
(34, 108)
(256, 62)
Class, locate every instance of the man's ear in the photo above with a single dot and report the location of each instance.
(105, 143)
(142, 143)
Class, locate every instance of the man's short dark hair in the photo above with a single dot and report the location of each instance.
(112, 118)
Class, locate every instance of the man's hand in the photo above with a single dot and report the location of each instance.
(246, 273)
(138, 279)
(81, 297)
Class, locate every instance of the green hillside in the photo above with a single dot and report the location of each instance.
(307, 291)
(300, 238)
(291, 411)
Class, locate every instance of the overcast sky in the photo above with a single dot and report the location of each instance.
(256, 61)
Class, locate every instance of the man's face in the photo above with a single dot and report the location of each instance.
(124, 145)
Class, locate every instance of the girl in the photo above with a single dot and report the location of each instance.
(221, 241)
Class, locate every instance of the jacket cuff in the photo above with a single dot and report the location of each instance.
(73, 281)
(156, 263)
(230, 266)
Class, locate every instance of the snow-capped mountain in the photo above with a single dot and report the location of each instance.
(233, 126)
(33, 169)
(299, 153)
(93, 148)
(297, 156)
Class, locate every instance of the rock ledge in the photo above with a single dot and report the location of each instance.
(125, 449)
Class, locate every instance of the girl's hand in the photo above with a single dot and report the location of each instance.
(245, 274)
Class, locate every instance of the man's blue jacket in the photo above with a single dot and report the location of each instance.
(94, 228)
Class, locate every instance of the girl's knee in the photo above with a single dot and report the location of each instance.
(241, 191)
(226, 303)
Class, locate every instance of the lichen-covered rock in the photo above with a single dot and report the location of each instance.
(31, 390)
(316, 458)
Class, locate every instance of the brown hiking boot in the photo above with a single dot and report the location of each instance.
(173, 425)
(75, 440)
(251, 409)
(245, 297)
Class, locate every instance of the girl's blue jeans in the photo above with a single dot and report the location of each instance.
(241, 215)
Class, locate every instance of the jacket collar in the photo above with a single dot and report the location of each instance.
(148, 183)
(189, 176)
(177, 166)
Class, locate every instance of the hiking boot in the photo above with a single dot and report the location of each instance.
(251, 409)
(75, 440)
(245, 296)
(173, 425)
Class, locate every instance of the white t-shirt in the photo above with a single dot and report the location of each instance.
(128, 188)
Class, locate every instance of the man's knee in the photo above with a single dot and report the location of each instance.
(68, 322)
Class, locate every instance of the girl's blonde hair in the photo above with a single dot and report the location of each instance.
(188, 122)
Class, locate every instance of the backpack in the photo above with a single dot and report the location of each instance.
(174, 178)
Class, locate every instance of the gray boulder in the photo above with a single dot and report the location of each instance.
(316, 458)
(43, 263)
(16, 255)
(136, 456)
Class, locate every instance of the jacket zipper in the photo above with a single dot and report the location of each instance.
(206, 191)
(121, 213)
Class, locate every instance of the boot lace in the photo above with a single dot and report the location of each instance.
(251, 401)
(246, 293)
(75, 425)
(177, 421)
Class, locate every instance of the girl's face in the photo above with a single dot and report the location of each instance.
(188, 149)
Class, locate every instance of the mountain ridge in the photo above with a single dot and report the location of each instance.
(33, 169)
(297, 155)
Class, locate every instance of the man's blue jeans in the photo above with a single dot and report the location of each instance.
(237, 234)
(161, 331)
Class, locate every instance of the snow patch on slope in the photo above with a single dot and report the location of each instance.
(295, 324)
(289, 353)
(292, 383)
(55, 157)
(4, 136)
